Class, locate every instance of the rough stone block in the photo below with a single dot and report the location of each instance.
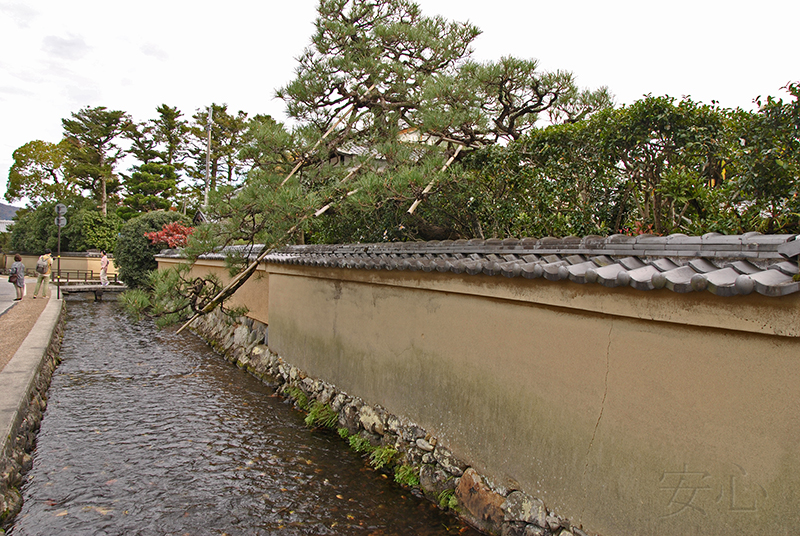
(371, 421)
(433, 482)
(479, 504)
(448, 462)
(519, 506)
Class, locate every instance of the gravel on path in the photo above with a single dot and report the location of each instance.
(16, 323)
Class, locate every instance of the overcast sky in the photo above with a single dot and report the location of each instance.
(57, 57)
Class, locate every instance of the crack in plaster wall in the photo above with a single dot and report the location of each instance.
(603, 402)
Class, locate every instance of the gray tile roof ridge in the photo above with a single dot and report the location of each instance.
(725, 265)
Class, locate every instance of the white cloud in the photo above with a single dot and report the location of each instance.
(155, 51)
(20, 13)
(81, 95)
(14, 91)
(70, 48)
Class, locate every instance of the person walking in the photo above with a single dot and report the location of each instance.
(17, 276)
(104, 269)
(43, 267)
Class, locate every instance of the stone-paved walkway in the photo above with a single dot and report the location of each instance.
(16, 318)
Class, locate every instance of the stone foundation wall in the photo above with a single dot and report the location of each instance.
(16, 460)
(417, 457)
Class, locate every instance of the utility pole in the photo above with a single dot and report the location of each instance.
(208, 153)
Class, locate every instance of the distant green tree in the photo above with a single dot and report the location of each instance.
(39, 173)
(35, 229)
(170, 133)
(134, 254)
(766, 163)
(571, 185)
(5, 240)
(160, 147)
(150, 187)
(93, 135)
(88, 229)
(161, 140)
(228, 136)
(144, 146)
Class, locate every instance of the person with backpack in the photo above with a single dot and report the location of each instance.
(43, 266)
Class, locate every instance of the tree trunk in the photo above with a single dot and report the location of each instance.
(104, 198)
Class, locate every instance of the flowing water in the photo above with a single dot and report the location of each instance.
(149, 432)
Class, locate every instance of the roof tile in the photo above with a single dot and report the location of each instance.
(723, 265)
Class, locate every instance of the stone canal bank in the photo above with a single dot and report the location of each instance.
(416, 457)
(24, 381)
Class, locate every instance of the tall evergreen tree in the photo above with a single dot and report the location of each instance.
(228, 136)
(93, 135)
(150, 187)
(144, 146)
(170, 133)
(159, 145)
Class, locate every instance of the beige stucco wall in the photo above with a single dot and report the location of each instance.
(69, 262)
(628, 412)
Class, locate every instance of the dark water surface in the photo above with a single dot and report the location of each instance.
(148, 432)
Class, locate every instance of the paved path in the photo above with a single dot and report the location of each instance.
(16, 319)
(17, 376)
(7, 294)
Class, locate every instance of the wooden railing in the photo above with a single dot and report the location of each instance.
(79, 276)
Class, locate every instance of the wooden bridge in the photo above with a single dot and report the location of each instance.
(97, 288)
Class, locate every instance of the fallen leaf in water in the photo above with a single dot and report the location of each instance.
(112, 481)
(62, 513)
(100, 510)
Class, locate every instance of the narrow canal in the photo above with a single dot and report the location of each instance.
(148, 432)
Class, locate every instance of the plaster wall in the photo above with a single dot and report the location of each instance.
(69, 262)
(626, 412)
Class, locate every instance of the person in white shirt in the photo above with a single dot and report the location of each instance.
(104, 269)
